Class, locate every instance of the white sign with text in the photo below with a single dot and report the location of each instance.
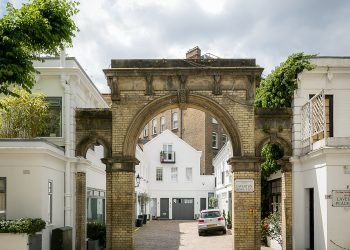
(244, 185)
(341, 198)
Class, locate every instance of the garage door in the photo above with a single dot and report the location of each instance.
(183, 208)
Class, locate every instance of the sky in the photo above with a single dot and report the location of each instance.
(267, 30)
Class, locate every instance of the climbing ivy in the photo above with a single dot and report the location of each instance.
(276, 90)
(270, 153)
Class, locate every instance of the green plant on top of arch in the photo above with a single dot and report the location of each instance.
(271, 153)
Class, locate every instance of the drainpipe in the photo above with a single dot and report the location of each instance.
(181, 123)
(68, 175)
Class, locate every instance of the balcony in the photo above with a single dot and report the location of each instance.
(167, 156)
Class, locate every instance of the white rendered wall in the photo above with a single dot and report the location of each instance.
(186, 156)
(322, 168)
(220, 165)
(27, 173)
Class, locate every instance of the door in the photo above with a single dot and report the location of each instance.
(183, 208)
(203, 204)
(311, 218)
(164, 208)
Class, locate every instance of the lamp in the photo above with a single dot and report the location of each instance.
(138, 179)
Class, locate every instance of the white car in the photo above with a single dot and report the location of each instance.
(211, 220)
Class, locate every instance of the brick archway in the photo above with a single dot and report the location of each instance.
(142, 88)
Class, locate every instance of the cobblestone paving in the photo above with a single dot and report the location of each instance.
(183, 235)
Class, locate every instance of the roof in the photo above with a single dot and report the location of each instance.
(181, 63)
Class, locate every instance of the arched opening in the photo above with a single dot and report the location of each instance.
(194, 101)
(161, 111)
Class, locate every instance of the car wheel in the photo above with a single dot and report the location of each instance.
(200, 233)
(224, 231)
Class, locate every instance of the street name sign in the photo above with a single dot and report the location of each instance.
(244, 185)
(341, 198)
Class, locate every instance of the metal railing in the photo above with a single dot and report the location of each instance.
(313, 121)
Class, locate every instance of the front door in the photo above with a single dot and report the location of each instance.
(164, 208)
(203, 204)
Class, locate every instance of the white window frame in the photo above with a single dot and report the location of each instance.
(145, 131)
(159, 174)
(154, 126)
(189, 177)
(174, 174)
(174, 120)
(214, 134)
(162, 124)
(168, 153)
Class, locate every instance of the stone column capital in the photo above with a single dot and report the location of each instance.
(120, 163)
(245, 163)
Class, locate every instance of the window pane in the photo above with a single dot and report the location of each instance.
(188, 174)
(54, 117)
(174, 173)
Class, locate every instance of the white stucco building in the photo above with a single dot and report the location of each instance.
(321, 156)
(223, 178)
(175, 185)
(37, 176)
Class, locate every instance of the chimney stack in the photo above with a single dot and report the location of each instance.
(194, 53)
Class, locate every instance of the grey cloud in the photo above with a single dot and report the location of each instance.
(266, 30)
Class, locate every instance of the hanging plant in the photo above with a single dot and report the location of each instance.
(270, 153)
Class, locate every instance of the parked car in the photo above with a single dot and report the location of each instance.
(211, 220)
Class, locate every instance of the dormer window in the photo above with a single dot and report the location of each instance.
(167, 155)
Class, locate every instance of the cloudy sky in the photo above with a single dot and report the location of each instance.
(268, 30)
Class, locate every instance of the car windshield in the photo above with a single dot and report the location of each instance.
(210, 214)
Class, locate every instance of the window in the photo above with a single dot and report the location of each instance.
(167, 155)
(96, 204)
(154, 126)
(209, 203)
(54, 118)
(224, 139)
(174, 174)
(2, 198)
(145, 131)
(188, 174)
(214, 140)
(159, 174)
(174, 120)
(275, 198)
(223, 177)
(50, 194)
(162, 124)
(329, 117)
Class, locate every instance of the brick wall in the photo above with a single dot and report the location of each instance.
(80, 215)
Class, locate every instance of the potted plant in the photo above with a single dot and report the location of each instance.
(228, 220)
(271, 231)
(16, 233)
(96, 233)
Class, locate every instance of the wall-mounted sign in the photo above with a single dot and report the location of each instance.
(341, 198)
(244, 185)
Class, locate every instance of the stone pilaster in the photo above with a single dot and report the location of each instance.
(120, 203)
(246, 205)
(80, 217)
(286, 213)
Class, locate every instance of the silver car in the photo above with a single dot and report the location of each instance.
(211, 220)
